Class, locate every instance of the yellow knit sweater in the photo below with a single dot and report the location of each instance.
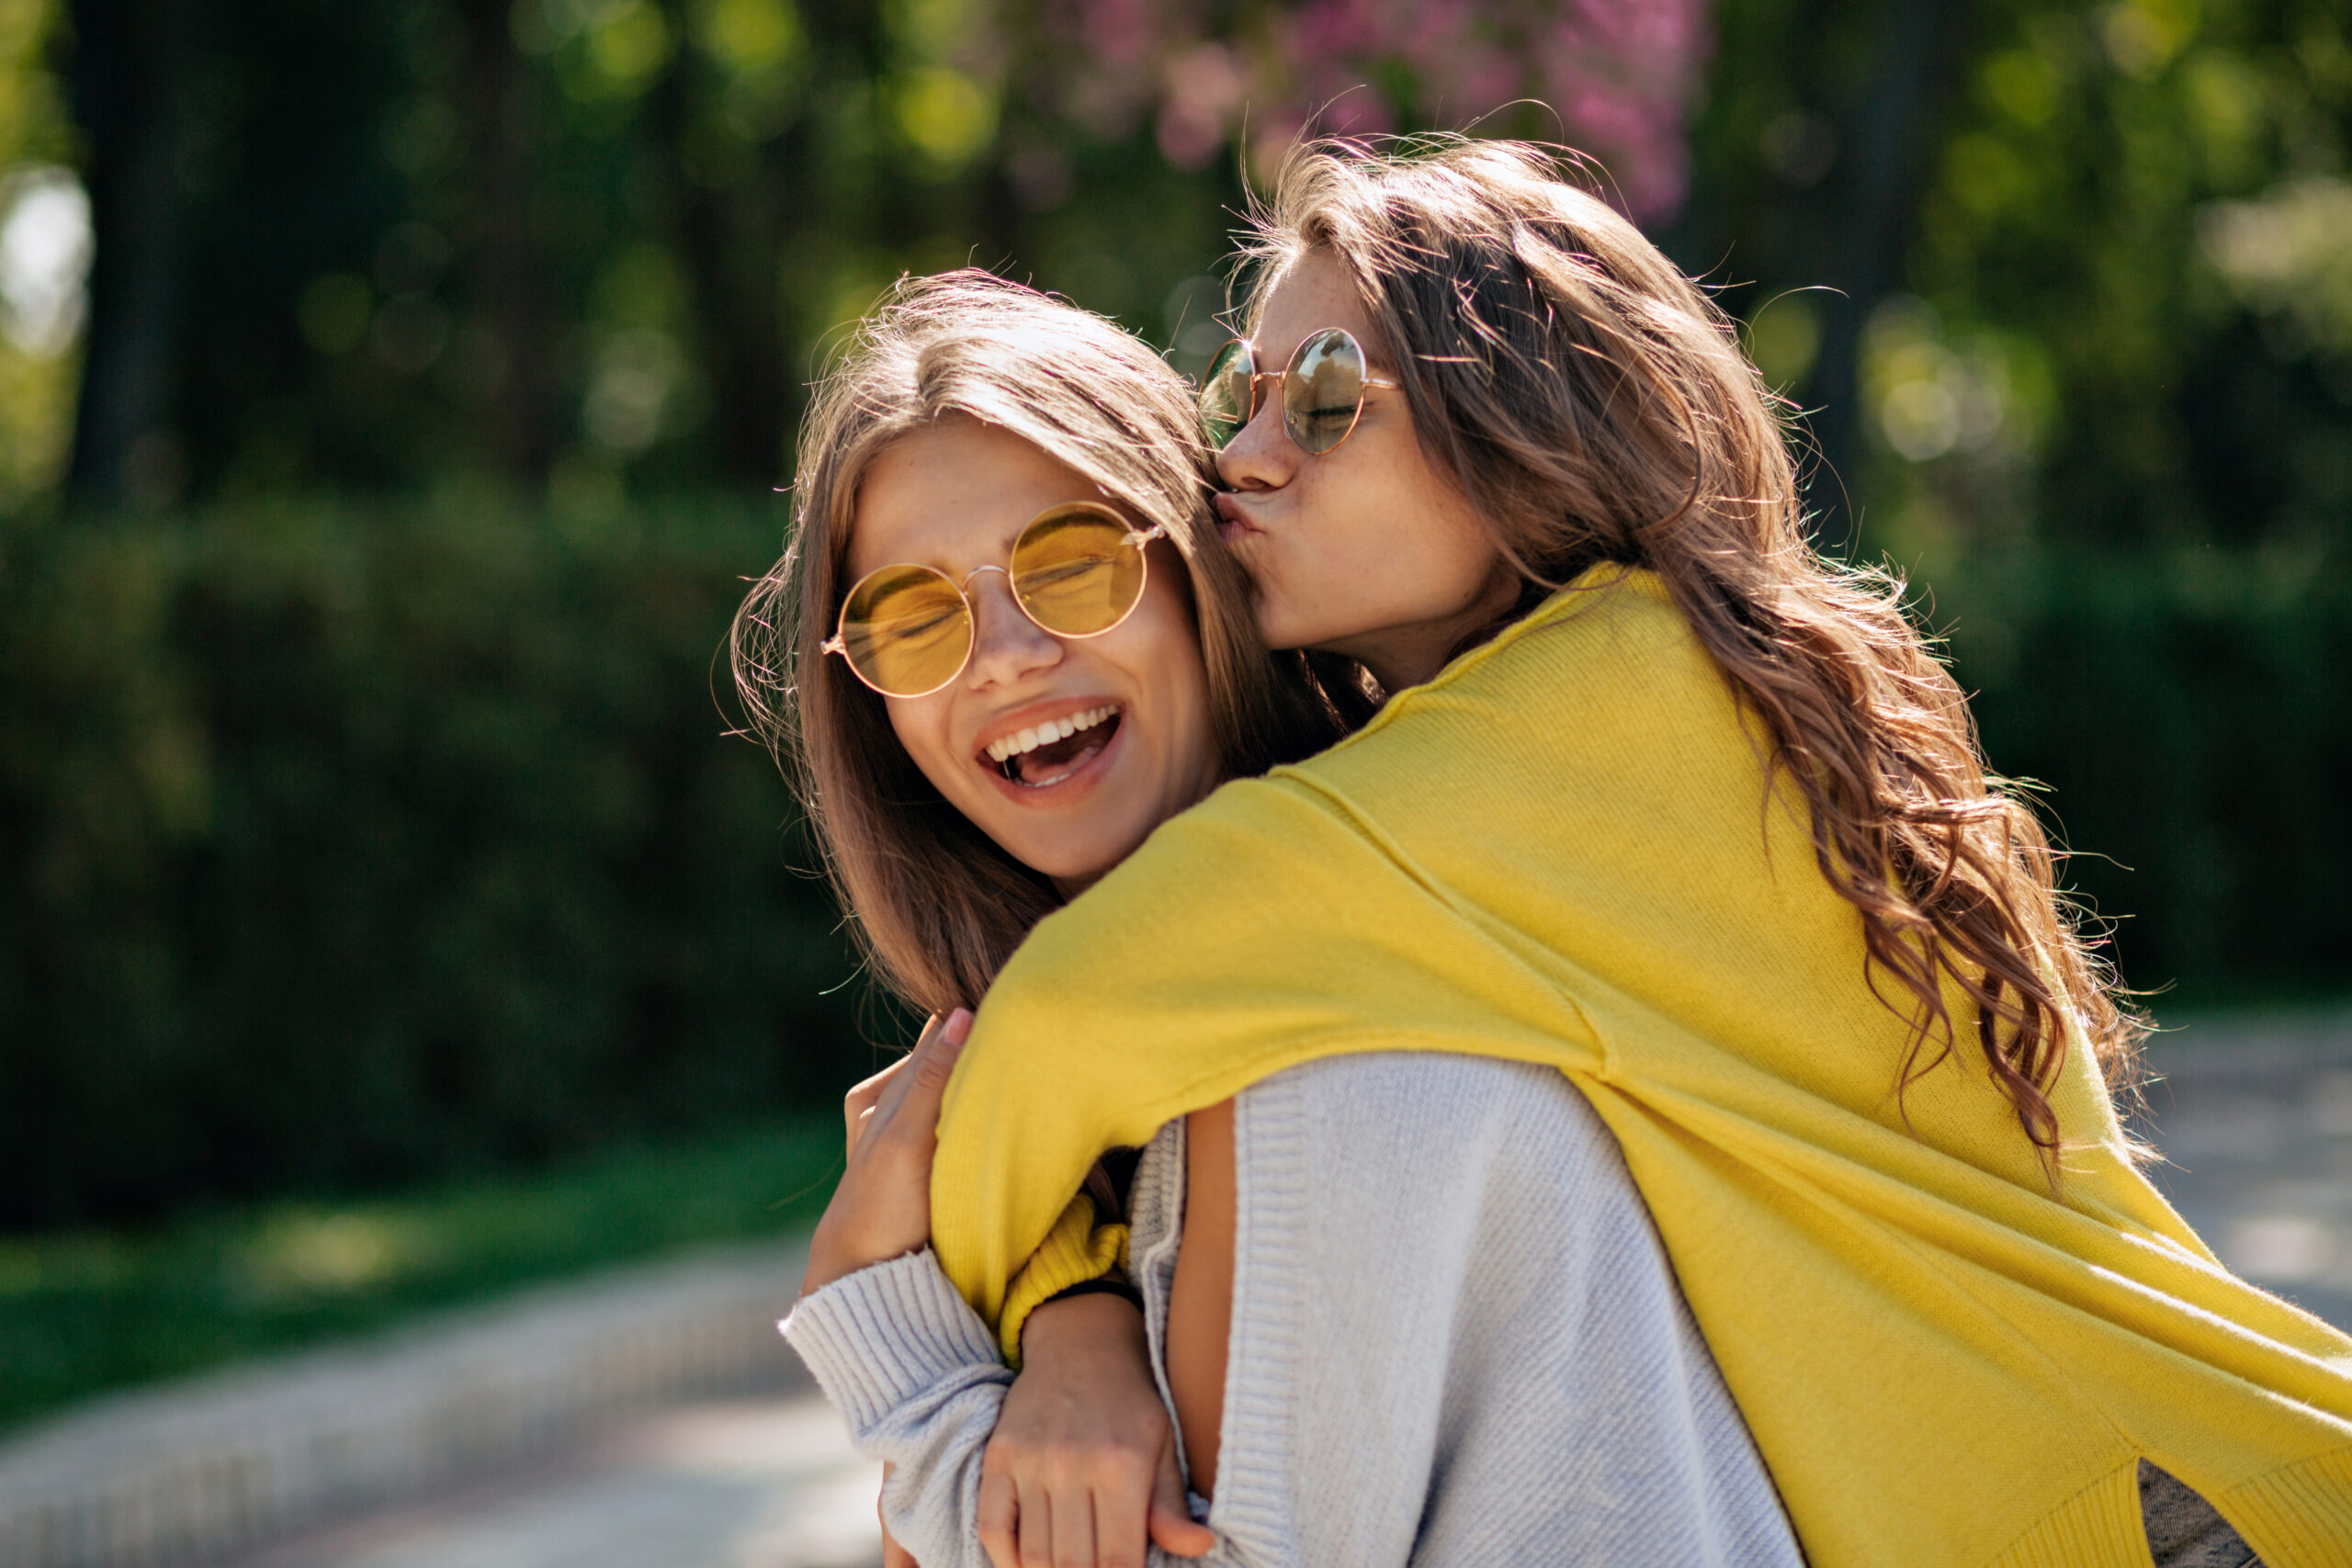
(1563, 851)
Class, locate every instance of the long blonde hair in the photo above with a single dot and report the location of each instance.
(935, 904)
(1596, 407)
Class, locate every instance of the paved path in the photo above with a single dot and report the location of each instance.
(207, 1466)
(750, 1485)
(2256, 1120)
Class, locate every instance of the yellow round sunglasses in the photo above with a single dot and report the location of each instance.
(1077, 569)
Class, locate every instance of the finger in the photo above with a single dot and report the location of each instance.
(1000, 1513)
(912, 1100)
(1122, 1509)
(1074, 1531)
(1036, 1530)
(871, 1088)
(859, 1103)
(1172, 1525)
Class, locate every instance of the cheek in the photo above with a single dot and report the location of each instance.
(1164, 655)
(1426, 535)
(921, 729)
(1462, 554)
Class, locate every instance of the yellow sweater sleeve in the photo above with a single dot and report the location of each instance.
(1075, 1250)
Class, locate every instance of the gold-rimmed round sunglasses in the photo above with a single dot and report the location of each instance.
(1322, 390)
(1077, 569)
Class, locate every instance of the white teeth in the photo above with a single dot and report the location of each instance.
(1045, 734)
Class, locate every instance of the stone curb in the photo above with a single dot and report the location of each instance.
(231, 1459)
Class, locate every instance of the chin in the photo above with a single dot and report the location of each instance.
(1062, 861)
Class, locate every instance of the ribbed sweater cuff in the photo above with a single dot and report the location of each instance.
(879, 1338)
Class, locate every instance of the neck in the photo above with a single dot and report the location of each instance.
(1077, 882)
(1403, 661)
(1412, 654)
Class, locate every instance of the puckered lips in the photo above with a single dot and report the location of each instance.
(1045, 747)
(1233, 519)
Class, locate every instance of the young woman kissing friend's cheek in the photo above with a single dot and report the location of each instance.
(1370, 549)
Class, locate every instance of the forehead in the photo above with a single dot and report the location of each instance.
(1310, 294)
(953, 496)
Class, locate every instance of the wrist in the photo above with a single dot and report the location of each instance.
(1111, 1284)
(830, 1258)
(1073, 1322)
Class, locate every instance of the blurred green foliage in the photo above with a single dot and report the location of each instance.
(81, 1313)
(366, 813)
(2187, 710)
(2066, 294)
(356, 842)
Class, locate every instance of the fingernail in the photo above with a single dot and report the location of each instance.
(959, 1027)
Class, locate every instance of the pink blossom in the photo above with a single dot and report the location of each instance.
(1188, 137)
(1435, 28)
(1326, 29)
(1118, 32)
(1359, 111)
(1621, 74)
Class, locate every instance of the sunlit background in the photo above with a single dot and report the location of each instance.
(394, 395)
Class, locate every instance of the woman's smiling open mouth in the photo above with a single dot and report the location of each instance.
(1049, 753)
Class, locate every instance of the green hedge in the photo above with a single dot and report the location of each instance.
(350, 845)
(2191, 712)
(82, 1312)
(346, 845)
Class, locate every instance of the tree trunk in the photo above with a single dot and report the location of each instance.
(130, 87)
(730, 241)
(509, 281)
(1872, 200)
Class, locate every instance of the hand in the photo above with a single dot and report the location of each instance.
(1082, 1464)
(882, 1208)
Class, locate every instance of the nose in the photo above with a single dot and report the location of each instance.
(1006, 644)
(1260, 457)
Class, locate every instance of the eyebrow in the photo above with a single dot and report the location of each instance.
(1003, 549)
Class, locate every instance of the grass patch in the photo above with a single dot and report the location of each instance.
(81, 1313)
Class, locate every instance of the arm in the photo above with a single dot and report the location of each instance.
(1076, 1251)
(1200, 1301)
(916, 1373)
(915, 1376)
(1082, 1466)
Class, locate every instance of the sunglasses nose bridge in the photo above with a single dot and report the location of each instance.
(1004, 626)
(972, 599)
(1011, 596)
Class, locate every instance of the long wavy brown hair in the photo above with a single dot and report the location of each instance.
(1596, 406)
(935, 904)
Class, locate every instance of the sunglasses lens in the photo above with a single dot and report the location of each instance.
(906, 629)
(1323, 391)
(1225, 394)
(1077, 570)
